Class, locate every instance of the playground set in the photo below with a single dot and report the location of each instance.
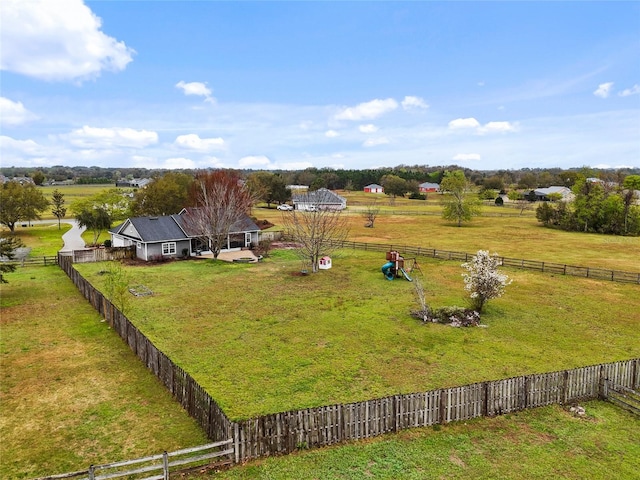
(395, 266)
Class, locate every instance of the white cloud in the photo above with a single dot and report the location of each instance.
(464, 123)
(57, 40)
(603, 90)
(490, 127)
(14, 113)
(194, 142)
(331, 134)
(368, 110)
(196, 88)
(92, 137)
(635, 90)
(373, 142)
(370, 128)
(466, 157)
(498, 127)
(255, 161)
(410, 102)
(25, 147)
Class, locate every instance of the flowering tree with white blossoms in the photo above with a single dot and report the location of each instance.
(483, 280)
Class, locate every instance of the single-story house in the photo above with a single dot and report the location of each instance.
(427, 187)
(374, 188)
(544, 194)
(167, 236)
(322, 199)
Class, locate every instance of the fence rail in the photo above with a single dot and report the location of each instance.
(545, 267)
(160, 466)
(32, 261)
(285, 432)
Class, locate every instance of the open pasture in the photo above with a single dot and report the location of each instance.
(262, 339)
(72, 392)
(511, 236)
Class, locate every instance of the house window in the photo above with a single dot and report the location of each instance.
(169, 248)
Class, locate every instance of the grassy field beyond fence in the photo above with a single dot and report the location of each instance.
(261, 339)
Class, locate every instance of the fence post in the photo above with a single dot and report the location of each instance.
(92, 474)
(165, 465)
(236, 441)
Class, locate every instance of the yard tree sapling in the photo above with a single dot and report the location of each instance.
(483, 281)
(316, 233)
(117, 287)
(219, 200)
(59, 210)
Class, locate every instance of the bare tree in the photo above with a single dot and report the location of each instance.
(219, 199)
(371, 213)
(316, 233)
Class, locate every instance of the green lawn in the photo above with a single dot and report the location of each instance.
(72, 392)
(262, 340)
(543, 443)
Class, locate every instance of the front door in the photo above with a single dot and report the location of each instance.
(247, 239)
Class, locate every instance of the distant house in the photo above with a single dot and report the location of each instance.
(167, 236)
(544, 194)
(298, 188)
(321, 199)
(427, 187)
(135, 183)
(374, 188)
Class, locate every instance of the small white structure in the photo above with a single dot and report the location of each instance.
(325, 263)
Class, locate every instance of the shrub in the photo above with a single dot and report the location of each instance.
(483, 280)
(107, 243)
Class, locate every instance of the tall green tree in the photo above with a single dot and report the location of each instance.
(59, 210)
(458, 205)
(165, 195)
(115, 202)
(20, 203)
(394, 186)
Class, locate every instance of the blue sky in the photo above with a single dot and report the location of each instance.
(291, 85)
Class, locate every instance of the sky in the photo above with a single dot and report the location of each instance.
(347, 85)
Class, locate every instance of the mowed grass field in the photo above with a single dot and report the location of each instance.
(72, 393)
(539, 444)
(262, 340)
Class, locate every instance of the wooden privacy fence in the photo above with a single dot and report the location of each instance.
(90, 255)
(285, 432)
(546, 267)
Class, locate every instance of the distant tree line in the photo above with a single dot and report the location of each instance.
(334, 179)
(598, 207)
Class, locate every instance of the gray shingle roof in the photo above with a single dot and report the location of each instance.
(322, 196)
(154, 229)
